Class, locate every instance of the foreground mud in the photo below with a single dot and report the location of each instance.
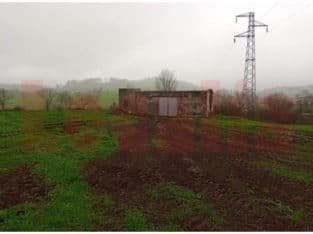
(21, 185)
(219, 165)
(246, 195)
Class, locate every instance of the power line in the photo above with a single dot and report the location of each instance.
(269, 10)
(292, 15)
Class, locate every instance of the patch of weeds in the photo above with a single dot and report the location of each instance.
(268, 134)
(177, 213)
(186, 202)
(17, 218)
(210, 212)
(135, 220)
(293, 215)
(293, 175)
(283, 208)
(206, 209)
(106, 200)
(124, 120)
(152, 193)
(297, 215)
(70, 203)
(158, 143)
(170, 228)
(181, 192)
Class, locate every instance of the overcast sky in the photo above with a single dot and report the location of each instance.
(56, 42)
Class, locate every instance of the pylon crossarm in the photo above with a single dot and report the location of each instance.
(244, 34)
(259, 24)
(243, 15)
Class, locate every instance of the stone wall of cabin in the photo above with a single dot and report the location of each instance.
(143, 102)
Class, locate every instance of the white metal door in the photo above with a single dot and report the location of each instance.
(163, 106)
(167, 106)
(172, 106)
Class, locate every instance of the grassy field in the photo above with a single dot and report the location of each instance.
(106, 99)
(91, 170)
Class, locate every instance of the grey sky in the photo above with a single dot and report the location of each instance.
(56, 42)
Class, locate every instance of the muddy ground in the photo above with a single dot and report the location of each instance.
(215, 164)
(21, 185)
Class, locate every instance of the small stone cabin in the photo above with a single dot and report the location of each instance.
(166, 103)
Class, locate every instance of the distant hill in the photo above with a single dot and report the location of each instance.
(113, 84)
(290, 91)
(9, 86)
(96, 84)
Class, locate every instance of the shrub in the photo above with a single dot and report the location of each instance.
(277, 108)
(63, 100)
(86, 101)
(18, 108)
(228, 104)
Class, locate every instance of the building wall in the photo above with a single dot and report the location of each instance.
(144, 102)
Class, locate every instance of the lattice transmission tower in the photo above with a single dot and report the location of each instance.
(249, 82)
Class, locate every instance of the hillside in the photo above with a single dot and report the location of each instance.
(96, 84)
(290, 91)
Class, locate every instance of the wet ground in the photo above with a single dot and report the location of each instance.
(21, 185)
(216, 165)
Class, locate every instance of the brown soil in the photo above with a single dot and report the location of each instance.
(85, 142)
(232, 184)
(183, 135)
(224, 173)
(20, 185)
(71, 127)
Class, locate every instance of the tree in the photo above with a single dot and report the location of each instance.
(166, 80)
(64, 100)
(278, 108)
(4, 97)
(85, 101)
(48, 94)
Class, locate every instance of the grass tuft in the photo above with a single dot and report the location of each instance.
(135, 220)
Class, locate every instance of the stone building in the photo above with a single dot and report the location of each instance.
(166, 103)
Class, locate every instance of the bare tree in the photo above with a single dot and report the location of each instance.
(166, 80)
(4, 97)
(64, 100)
(240, 101)
(48, 94)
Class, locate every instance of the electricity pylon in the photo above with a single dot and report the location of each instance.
(249, 82)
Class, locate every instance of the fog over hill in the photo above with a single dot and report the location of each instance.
(97, 84)
(113, 84)
(290, 91)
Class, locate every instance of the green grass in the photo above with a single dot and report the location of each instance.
(135, 221)
(187, 202)
(106, 98)
(69, 205)
(106, 200)
(283, 208)
(294, 175)
(243, 123)
(180, 192)
(293, 215)
(297, 215)
(152, 193)
(159, 143)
